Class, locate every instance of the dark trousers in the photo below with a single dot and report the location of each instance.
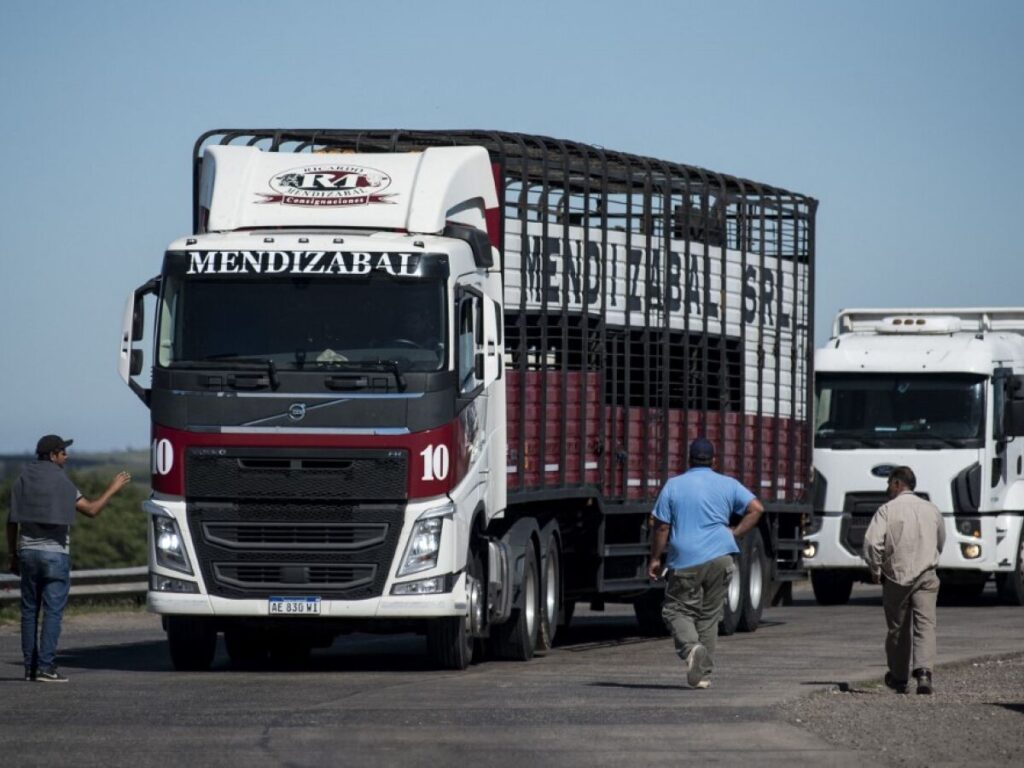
(910, 618)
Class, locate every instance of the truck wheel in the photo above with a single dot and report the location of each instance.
(516, 639)
(551, 604)
(831, 587)
(1011, 585)
(246, 649)
(733, 607)
(757, 581)
(647, 608)
(450, 640)
(192, 641)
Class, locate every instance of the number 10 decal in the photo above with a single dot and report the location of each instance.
(435, 462)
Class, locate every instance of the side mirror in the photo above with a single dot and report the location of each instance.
(133, 326)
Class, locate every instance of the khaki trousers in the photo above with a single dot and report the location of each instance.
(694, 603)
(910, 617)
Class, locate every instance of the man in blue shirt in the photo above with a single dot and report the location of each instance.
(692, 518)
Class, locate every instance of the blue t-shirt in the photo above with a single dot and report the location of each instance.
(697, 504)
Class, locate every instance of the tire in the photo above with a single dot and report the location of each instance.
(756, 592)
(1011, 585)
(551, 597)
(450, 640)
(192, 642)
(647, 609)
(246, 649)
(516, 639)
(831, 587)
(733, 608)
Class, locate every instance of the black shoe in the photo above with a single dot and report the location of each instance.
(50, 676)
(900, 686)
(924, 681)
(30, 675)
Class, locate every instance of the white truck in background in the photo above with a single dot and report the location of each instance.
(940, 391)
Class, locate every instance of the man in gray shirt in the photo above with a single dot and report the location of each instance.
(902, 547)
(43, 506)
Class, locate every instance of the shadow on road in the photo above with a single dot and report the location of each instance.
(643, 686)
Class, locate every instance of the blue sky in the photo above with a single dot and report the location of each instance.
(902, 118)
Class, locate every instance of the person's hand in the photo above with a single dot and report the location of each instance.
(14, 566)
(120, 481)
(654, 569)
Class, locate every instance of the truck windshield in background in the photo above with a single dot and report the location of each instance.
(302, 323)
(912, 410)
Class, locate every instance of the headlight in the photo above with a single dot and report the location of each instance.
(969, 526)
(425, 541)
(170, 549)
(810, 550)
(970, 551)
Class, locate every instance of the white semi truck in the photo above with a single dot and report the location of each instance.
(940, 391)
(433, 381)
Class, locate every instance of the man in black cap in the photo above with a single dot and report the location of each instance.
(43, 505)
(692, 518)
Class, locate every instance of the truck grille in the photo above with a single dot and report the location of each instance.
(858, 509)
(257, 549)
(296, 474)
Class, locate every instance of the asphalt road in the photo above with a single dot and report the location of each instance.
(602, 697)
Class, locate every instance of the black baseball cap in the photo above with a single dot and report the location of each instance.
(49, 443)
(701, 449)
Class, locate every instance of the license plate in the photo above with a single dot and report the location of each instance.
(295, 606)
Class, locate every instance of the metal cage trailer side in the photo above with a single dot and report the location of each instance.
(597, 311)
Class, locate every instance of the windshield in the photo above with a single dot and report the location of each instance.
(917, 410)
(303, 323)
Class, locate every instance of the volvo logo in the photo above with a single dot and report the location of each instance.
(883, 470)
(297, 411)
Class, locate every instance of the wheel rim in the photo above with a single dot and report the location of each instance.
(734, 592)
(476, 606)
(551, 588)
(756, 582)
(530, 601)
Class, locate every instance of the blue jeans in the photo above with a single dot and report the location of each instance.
(45, 579)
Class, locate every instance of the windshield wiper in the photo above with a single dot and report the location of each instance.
(231, 360)
(379, 364)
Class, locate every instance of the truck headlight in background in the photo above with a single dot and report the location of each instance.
(425, 540)
(170, 549)
(810, 550)
(969, 526)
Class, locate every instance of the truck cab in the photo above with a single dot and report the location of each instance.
(938, 391)
(327, 396)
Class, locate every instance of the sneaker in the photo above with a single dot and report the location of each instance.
(695, 664)
(50, 676)
(30, 675)
(924, 681)
(900, 686)
(705, 683)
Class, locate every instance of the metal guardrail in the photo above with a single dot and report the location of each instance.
(109, 581)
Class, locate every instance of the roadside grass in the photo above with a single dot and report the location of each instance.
(10, 610)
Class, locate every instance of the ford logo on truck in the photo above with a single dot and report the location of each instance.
(883, 470)
(329, 185)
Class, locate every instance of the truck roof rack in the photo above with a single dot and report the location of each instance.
(561, 180)
(969, 319)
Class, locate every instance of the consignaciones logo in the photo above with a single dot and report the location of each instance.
(329, 185)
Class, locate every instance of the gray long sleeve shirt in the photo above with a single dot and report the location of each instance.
(904, 538)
